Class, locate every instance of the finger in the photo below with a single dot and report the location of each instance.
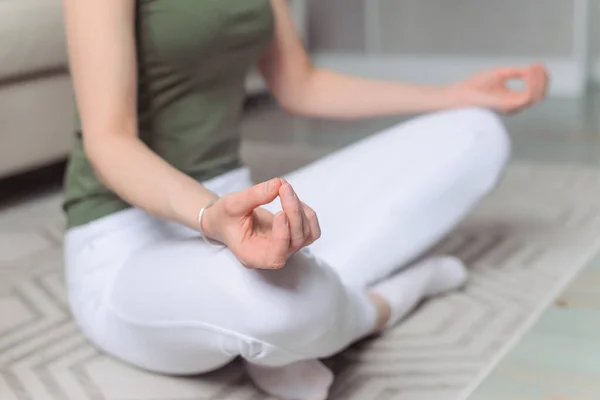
(279, 247)
(521, 99)
(512, 72)
(241, 203)
(306, 228)
(313, 222)
(533, 84)
(547, 82)
(542, 81)
(293, 209)
(305, 225)
(535, 88)
(512, 101)
(306, 231)
(539, 78)
(515, 98)
(523, 103)
(546, 85)
(522, 74)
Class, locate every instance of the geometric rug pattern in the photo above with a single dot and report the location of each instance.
(523, 244)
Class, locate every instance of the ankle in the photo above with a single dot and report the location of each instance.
(384, 311)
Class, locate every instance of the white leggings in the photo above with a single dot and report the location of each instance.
(149, 292)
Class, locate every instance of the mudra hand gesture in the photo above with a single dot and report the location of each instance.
(258, 238)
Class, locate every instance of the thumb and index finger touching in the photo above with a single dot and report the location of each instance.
(247, 200)
(533, 84)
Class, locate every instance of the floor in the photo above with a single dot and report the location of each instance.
(558, 358)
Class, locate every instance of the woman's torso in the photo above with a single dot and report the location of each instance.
(193, 57)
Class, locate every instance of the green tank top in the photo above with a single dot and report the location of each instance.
(193, 57)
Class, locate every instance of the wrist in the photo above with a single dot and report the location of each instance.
(209, 222)
(457, 96)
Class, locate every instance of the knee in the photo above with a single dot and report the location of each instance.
(493, 138)
(490, 149)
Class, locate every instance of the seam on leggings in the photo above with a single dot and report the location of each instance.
(198, 324)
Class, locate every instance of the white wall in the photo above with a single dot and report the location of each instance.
(595, 29)
(337, 26)
(438, 40)
(595, 39)
(476, 27)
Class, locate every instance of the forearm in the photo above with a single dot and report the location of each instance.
(143, 179)
(327, 94)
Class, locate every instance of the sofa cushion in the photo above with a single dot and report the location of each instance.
(31, 37)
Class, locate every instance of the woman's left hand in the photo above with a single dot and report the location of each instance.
(490, 89)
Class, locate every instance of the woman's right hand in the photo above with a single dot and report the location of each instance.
(258, 238)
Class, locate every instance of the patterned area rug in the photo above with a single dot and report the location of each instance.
(523, 244)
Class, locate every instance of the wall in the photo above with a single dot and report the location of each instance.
(595, 39)
(412, 35)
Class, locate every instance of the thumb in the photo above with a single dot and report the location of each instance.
(241, 203)
(512, 72)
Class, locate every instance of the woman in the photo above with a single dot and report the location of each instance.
(155, 169)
